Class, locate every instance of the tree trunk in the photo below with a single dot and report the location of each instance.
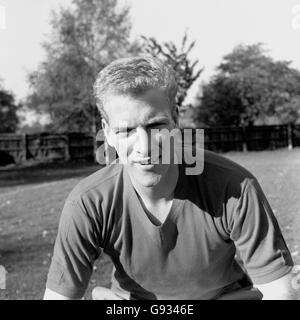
(94, 130)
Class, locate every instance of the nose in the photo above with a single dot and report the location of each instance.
(142, 144)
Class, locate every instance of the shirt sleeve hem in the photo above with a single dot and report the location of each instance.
(271, 276)
(72, 293)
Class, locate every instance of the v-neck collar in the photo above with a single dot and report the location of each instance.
(158, 233)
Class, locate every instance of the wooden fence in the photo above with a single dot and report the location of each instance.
(75, 146)
(254, 138)
(47, 146)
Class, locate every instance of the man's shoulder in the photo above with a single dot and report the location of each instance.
(223, 183)
(217, 164)
(224, 174)
(99, 184)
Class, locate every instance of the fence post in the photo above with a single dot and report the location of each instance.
(290, 140)
(67, 147)
(245, 149)
(25, 147)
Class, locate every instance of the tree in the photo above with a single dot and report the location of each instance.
(250, 87)
(8, 112)
(178, 58)
(85, 38)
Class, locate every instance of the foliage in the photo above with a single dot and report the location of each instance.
(35, 127)
(85, 38)
(250, 87)
(8, 112)
(178, 58)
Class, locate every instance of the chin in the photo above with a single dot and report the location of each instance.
(150, 182)
(148, 179)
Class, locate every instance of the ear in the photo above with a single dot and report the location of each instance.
(107, 133)
(176, 115)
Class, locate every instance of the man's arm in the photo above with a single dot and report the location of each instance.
(261, 246)
(280, 289)
(52, 295)
(76, 248)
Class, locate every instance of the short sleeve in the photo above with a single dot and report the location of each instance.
(76, 248)
(258, 238)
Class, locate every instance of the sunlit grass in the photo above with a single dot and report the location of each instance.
(31, 200)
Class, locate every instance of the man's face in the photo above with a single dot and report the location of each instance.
(131, 120)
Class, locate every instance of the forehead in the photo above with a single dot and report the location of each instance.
(137, 109)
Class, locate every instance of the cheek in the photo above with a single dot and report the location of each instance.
(124, 147)
(168, 144)
(161, 140)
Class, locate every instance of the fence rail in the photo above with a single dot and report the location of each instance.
(252, 138)
(74, 146)
(46, 146)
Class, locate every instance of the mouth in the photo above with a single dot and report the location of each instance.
(147, 162)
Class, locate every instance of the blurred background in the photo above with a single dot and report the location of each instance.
(238, 68)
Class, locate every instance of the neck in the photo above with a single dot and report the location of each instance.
(163, 190)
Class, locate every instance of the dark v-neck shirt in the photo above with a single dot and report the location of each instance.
(191, 255)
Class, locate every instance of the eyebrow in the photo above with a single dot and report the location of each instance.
(151, 123)
(156, 123)
(157, 120)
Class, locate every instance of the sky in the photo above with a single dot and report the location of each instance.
(216, 25)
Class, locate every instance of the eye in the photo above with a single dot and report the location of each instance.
(157, 125)
(125, 132)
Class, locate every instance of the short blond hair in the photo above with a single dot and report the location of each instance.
(134, 76)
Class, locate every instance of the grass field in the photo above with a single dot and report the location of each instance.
(31, 199)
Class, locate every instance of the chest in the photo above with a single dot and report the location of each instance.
(186, 249)
(157, 214)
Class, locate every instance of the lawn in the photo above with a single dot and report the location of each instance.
(31, 199)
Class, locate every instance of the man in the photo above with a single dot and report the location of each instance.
(170, 235)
